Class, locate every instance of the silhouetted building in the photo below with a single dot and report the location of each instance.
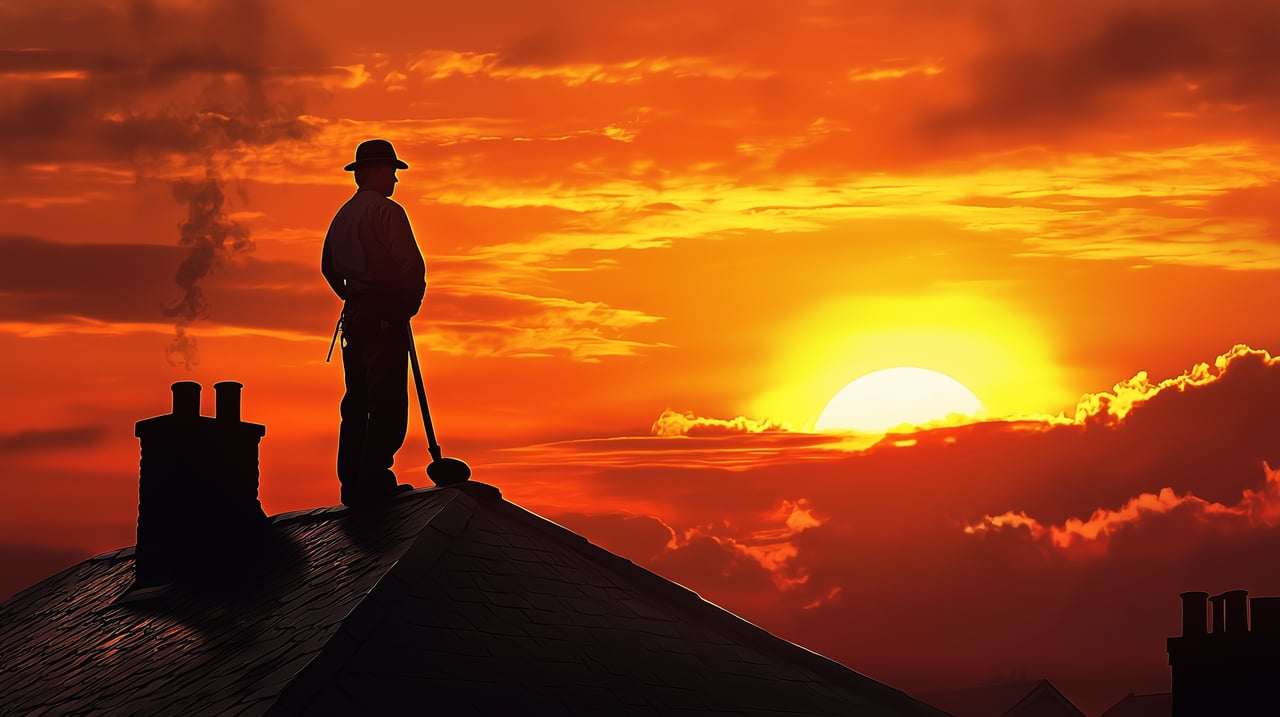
(1159, 704)
(446, 600)
(1232, 667)
(1036, 698)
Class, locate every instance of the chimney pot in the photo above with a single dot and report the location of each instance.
(1218, 626)
(228, 400)
(1193, 612)
(186, 399)
(1236, 603)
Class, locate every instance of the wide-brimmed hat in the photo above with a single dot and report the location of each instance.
(375, 150)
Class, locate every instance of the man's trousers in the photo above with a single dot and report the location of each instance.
(375, 408)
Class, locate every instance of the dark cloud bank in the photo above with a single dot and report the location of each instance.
(49, 281)
(159, 87)
(1207, 56)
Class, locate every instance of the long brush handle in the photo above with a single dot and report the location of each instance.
(432, 446)
(336, 328)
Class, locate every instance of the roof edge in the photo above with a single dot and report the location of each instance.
(688, 601)
(1042, 686)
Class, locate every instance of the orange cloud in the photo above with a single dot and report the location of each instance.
(766, 538)
(773, 547)
(56, 439)
(1111, 407)
(433, 65)
(674, 423)
(584, 331)
(893, 71)
(1257, 508)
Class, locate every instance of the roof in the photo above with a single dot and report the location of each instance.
(448, 597)
(1035, 698)
(1159, 704)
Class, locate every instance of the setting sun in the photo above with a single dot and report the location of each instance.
(892, 397)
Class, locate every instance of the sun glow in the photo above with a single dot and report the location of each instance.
(886, 399)
(1010, 362)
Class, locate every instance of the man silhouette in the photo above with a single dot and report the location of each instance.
(373, 264)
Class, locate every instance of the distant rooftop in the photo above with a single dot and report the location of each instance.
(1033, 698)
(449, 598)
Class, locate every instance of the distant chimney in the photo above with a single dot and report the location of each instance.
(198, 508)
(1231, 670)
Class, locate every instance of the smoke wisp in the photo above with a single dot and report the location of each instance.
(212, 239)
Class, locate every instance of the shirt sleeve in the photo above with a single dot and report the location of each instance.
(411, 281)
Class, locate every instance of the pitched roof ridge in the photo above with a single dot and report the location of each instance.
(323, 513)
(309, 515)
(423, 550)
(125, 552)
(691, 603)
(304, 515)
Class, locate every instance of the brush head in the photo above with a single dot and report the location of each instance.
(447, 471)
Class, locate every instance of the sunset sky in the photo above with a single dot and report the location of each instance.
(659, 237)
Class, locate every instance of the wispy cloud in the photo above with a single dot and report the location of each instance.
(894, 70)
(44, 440)
(434, 65)
(538, 326)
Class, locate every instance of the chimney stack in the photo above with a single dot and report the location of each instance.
(198, 509)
